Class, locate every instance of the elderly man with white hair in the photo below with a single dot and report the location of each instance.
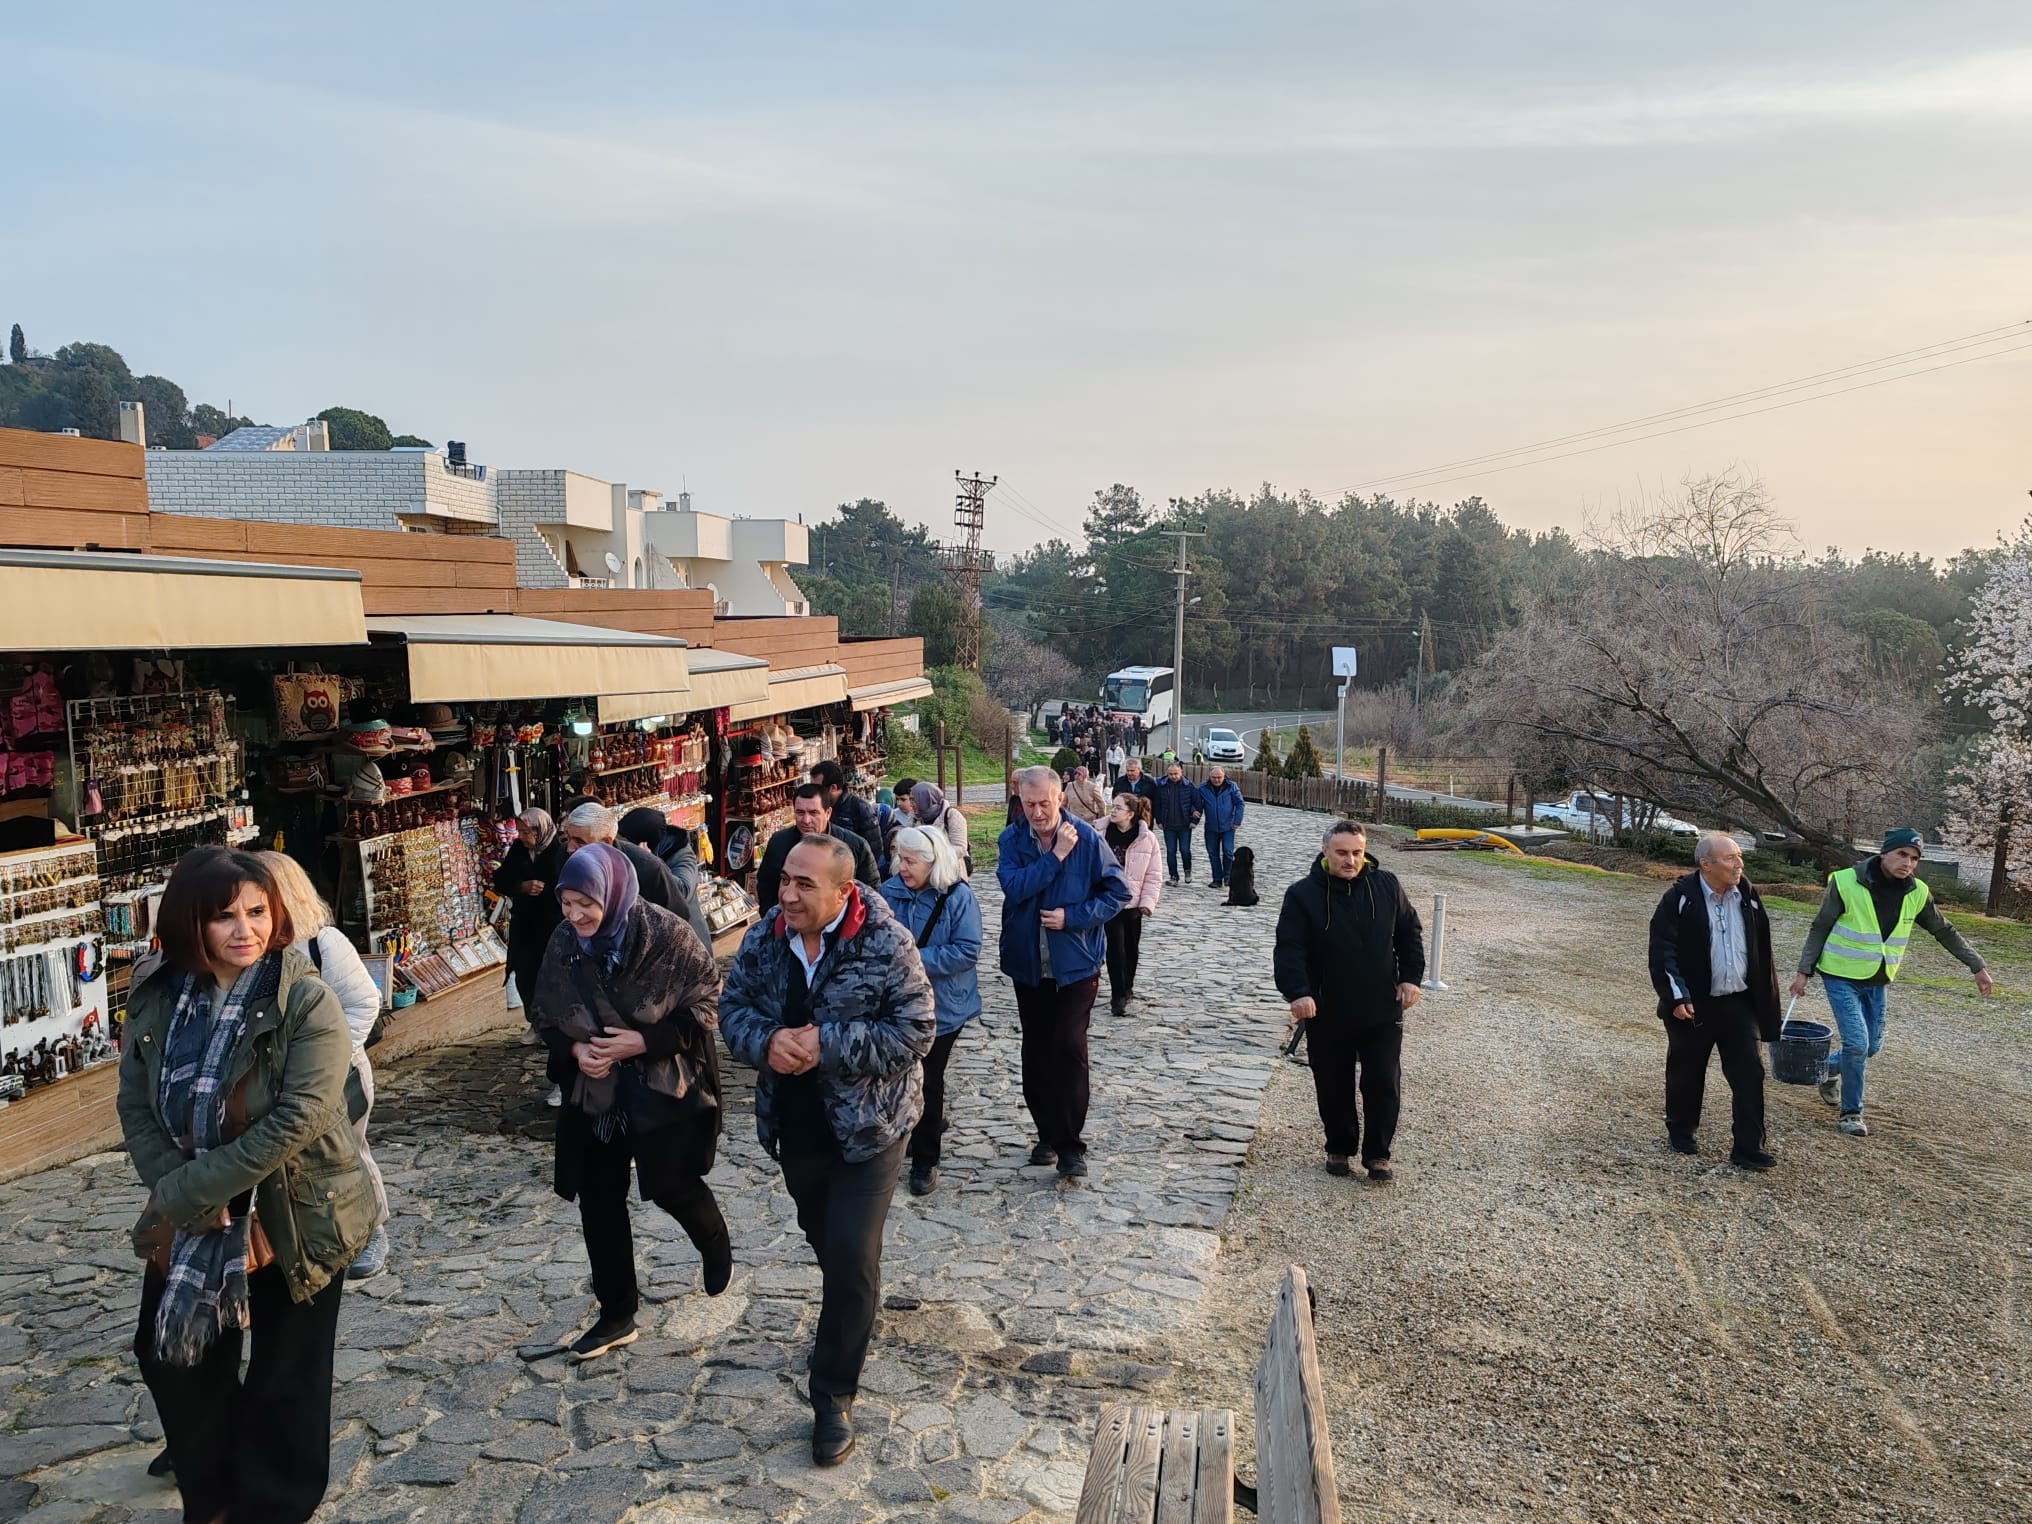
(1717, 988)
(1060, 888)
(656, 883)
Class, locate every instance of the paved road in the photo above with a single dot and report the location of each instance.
(1015, 1305)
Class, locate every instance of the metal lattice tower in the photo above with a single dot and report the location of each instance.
(964, 563)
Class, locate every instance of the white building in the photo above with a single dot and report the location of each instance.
(568, 529)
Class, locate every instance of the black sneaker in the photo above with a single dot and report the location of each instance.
(1174, 880)
(162, 1465)
(716, 1264)
(1073, 1167)
(608, 1333)
(1043, 1153)
(832, 1434)
(1379, 1169)
(923, 1179)
(1682, 1143)
(1337, 1164)
(1752, 1158)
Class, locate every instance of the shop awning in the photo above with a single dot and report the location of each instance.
(882, 695)
(719, 680)
(793, 689)
(64, 600)
(474, 658)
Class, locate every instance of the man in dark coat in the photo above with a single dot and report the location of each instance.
(1350, 955)
(848, 807)
(1717, 988)
(814, 818)
(595, 822)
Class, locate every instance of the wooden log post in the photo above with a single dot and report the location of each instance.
(938, 749)
(1510, 803)
(1382, 781)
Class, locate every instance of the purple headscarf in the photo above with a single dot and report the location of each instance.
(601, 873)
(927, 803)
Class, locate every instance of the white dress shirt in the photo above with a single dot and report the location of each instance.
(1728, 946)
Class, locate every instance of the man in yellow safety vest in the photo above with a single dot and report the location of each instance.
(1857, 942)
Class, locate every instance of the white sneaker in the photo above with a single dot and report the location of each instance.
(528, 1038)
(514, 996)
(556, 1096)
(1852, 1124)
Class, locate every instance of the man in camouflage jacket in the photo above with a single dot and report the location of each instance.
(828, 1001)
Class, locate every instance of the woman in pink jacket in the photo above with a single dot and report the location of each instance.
(1134, 844)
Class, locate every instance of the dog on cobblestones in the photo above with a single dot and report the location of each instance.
(1242, 878)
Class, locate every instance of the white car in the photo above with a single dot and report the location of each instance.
(1221, 746)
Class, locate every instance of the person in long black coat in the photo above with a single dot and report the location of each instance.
(527, 879)
(1717, 986)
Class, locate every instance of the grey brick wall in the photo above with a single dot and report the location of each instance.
(341, 488)
(523, 500)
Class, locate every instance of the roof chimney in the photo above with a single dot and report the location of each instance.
(133, 424)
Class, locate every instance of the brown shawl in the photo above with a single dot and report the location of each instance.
(666, 986)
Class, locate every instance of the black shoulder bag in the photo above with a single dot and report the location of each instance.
(924, 936)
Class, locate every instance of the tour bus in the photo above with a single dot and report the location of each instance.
(1142, 691)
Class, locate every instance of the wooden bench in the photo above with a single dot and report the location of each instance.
(1157, 1466)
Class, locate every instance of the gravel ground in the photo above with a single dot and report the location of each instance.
(1549, 1315)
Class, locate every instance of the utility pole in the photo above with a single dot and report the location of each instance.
(1178, 644)
(895, 596)
(965, 562)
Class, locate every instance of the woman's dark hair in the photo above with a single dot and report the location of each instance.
(205, 881)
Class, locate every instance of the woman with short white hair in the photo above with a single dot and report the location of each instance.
(931, 896)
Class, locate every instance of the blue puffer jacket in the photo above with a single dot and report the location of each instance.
(1221, 808)
(953, 954)
(1088, 886)
(1177, 804)
(873, 1008)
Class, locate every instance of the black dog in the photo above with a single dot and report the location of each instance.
(1242, 878)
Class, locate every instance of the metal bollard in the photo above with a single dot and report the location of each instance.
(1434, 965)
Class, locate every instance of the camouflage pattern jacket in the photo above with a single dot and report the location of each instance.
(873, 1008)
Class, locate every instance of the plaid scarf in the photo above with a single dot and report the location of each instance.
(206, 1289)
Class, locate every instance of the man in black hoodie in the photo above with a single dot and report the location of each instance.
(1350, 955)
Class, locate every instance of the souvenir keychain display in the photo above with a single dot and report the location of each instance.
(157, 774)
(52, 968)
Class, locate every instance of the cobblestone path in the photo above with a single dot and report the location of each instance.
(1013, 1304)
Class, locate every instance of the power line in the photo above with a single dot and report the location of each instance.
(1947, 346)
(1437, 481)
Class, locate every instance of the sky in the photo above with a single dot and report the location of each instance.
(797, 254)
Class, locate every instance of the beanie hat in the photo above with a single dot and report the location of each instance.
(1902, 836)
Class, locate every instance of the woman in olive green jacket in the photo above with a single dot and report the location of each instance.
(232, 1100)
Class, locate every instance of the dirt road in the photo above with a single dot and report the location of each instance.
(1551, 1316)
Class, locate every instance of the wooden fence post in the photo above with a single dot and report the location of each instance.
(938, 745)
(1510, 803)
(1382, 779)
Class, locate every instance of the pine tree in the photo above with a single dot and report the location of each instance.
(1267, 760)
(1304, 761)
(17, 345)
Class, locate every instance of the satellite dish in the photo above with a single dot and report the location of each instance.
(613, 563)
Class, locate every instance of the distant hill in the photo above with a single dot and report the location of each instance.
(82, 385)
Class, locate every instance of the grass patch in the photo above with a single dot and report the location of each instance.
(1544, 867)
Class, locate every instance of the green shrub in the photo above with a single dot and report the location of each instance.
(1304, 761)
(1450, 817)
(1064, 760)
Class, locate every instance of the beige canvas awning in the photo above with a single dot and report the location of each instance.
(473, 658)
(63, 600)
(793, 689)
(719, 680)
(882, 695)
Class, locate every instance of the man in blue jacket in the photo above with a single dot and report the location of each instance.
(1176, 807)
(1060, 888)
(1220, 808)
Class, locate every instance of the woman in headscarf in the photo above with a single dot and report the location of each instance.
(1084, 798)
(626, 1001)
(527, 879)
(929, 810)
(232, 1104)
(933, 900)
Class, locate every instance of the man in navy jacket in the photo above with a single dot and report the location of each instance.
(1176, 807)
(1220, 808)
(1060, 888)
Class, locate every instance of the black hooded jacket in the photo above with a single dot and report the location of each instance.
(1348, 943)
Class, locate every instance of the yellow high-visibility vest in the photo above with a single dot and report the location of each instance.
(1856, 947)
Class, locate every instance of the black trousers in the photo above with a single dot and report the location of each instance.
(841, 1207)
(1727, 1023)
(924, 1138)
(1054, 1018)
(1339, 1048)
(603, 1170)
(1125, 947)
(256, 1448)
